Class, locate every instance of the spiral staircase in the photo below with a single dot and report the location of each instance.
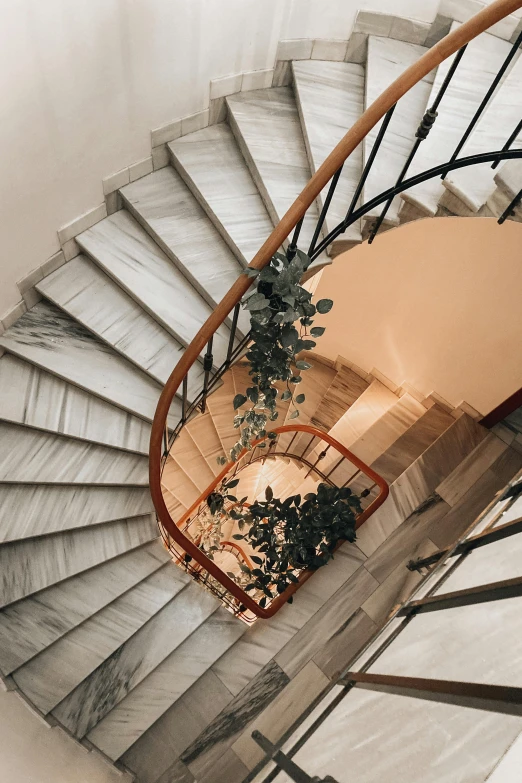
(99, 630)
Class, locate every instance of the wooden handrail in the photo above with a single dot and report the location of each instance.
(469, 30)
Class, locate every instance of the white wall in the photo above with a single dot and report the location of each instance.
(84, 82)
(32, 752)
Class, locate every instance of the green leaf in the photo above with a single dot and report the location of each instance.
(324, 306)
(257, 302)
(221, 460)
(317, 331)
(249, 272)
(232, 484)
(239, 400)
(300, 398)
(302, 365)
(286, 395)
(269, 494)
(294, 415)
(295, 379)
(238, 537)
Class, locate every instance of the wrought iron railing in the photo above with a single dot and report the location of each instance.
(290, 226)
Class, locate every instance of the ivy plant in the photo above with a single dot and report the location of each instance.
(281, 321)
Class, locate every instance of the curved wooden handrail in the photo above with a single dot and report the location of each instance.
(478, 24)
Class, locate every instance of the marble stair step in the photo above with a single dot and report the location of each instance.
(203, 432)
(265, 121)
(93, 299)
(284, 480)
(212, 166)
(31, 456)
(55, 672)
(119, 674)
(497, 203)
(509, 177)
(163, 687)
(483, 57)
(179, 483)
(53, 341)
(42, 401)
(222, 412)
(386, 60)
(132, 258)
(30, 510)
(32, 564)
(330, 99)
(32, 624)
(186, 454)
(473, 185)
(345, 388)
(175, 508)
(167, 210)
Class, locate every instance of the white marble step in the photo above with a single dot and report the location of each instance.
(477, 69)
(386, 60)
(29, 510)
(89, 296)
(50, 339)
(29, 626)
(497, 204)
(509, 177)
(168, 211)
(474, 184)
(50, 676)
(186, 454)
(330, 99)
(33, 564)
(179, 483)
(222, 411)
(213, 168)
(267, 128)
(31, 456)
(38, 399)
(203, 432)
(345, 388)
(99, 693)
(162, 688)
(131, 257)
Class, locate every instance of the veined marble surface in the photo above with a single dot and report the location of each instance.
(39, 399)
(132, 258)
(53, 341)
(266, 125)
(163, 202)
(314, 387)
(146, 703)
(131, 663)
(186, 455)
(29, 626)
(179, 483)
(220, 407)
(343, 391)
(387, 59)
(35, 563)
(84, 291)
(474, 184)
(28, 455)
(213, 167)
(59, 669)
(330, 99)
(36, 510)
(477, 69)
(204, 434)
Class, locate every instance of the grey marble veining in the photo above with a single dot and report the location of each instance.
(386, 61)
(60, 668)
(477, 69)
(29, 626)
(51, 339)
(39, 399)
(330, 99)
(165, 206)
(149, 700)
(30, 565)
(36, 510)
(132, 258)
(131, 663)
(84, 291)
(29, 455)
(213, 167)
(267, 128)
(474, 184)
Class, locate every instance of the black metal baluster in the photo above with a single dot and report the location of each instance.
(165, 440)
(208, 362)
(510, 209)
(321, 456)
(292, 247)
(232, 334)
(326, 205)
(508, 143)
(184, 400)
(421, 134)
(486, 99)
(288, 766)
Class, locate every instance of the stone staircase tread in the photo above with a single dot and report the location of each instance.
(93, 299)
(32, 456)
(49, 677)
(39, 620)
(483, 57)
(50, 339)
(191, 461)
(330, 99)
(167, 210)
(345, 389)
(41, 400)
(204, 434)
(179, 483)
(509, 177)
(131, 257)
(31, 510)
(213, 168)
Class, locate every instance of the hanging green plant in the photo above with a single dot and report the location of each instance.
(281, 321)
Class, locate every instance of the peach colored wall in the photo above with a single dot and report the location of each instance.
(437, 304)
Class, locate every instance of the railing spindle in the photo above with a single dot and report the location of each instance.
(326, 205)
(208, 362)
(232, 334)
(508, 143)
